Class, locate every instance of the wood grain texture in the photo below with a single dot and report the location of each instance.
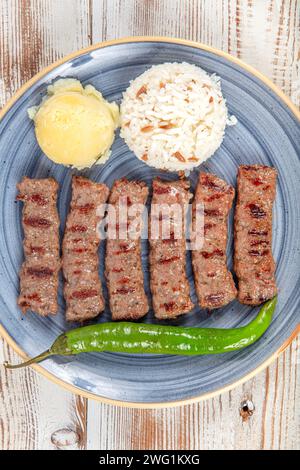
(211, 424)
(35, 414)
(33, 34)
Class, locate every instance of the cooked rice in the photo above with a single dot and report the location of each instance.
(173, 116)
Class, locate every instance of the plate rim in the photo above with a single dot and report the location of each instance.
(139, 39)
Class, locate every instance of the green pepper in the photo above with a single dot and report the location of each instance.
(157, 339)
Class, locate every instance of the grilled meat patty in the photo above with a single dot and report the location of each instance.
(39, 272)
(123, 266)
(83, 290)
(253, 261)
(215, 287)
(168, 281)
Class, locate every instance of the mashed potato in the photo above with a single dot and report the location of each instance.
(74, 125)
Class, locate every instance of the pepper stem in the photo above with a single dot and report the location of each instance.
(33, 360)
(60, 346)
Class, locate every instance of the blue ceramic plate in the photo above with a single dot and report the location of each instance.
(267, 132)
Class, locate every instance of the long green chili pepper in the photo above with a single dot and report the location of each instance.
(157, 339)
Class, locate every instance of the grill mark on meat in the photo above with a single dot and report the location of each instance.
(24, 305)
(258, 253)
(40, 200)
(212, 254)
(213, 281)
(256, 211)
(84, 294)
(215, 299)
(253, 260)
(33, 296)
(41, 225)
(78, 228)
(160, 189)
(168, 256)
(37, 198)
(212, 212)
(124, 290)
(211, 274)
(256, 181)
(83, 290)
(263, 279)
(37, 249)
(176, 289)
(127, 302)
(117, 270)
(86, 208)
(209, 182)
(214, 197)
(169, 260)
(125, 248)
(41, 273)
(81, 250)
(207, 227)
(259, 242)
(169, 307)
(37, 222)
(262, 233)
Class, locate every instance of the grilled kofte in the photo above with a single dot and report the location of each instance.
(253, 260)
(123, 266)
(215, 287)
(83, 290)
(39, 272)
(168, 281)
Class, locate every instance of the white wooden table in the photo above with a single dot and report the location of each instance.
(36, 414)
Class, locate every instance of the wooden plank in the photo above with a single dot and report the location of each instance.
(35, 414)
(262, 33)
(211, 424)
(35, 33)
(256, 32)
